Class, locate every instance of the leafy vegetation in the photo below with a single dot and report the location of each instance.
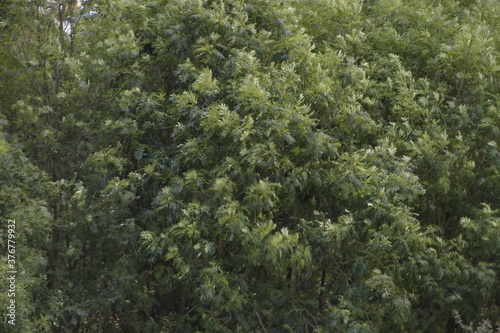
(251, 165)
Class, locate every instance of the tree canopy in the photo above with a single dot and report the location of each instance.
(252, 165)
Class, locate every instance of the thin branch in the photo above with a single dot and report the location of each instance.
(260, 321)
(194, 307)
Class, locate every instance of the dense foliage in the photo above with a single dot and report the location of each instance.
(252, 165)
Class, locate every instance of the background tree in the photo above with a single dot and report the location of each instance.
(235, 166)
